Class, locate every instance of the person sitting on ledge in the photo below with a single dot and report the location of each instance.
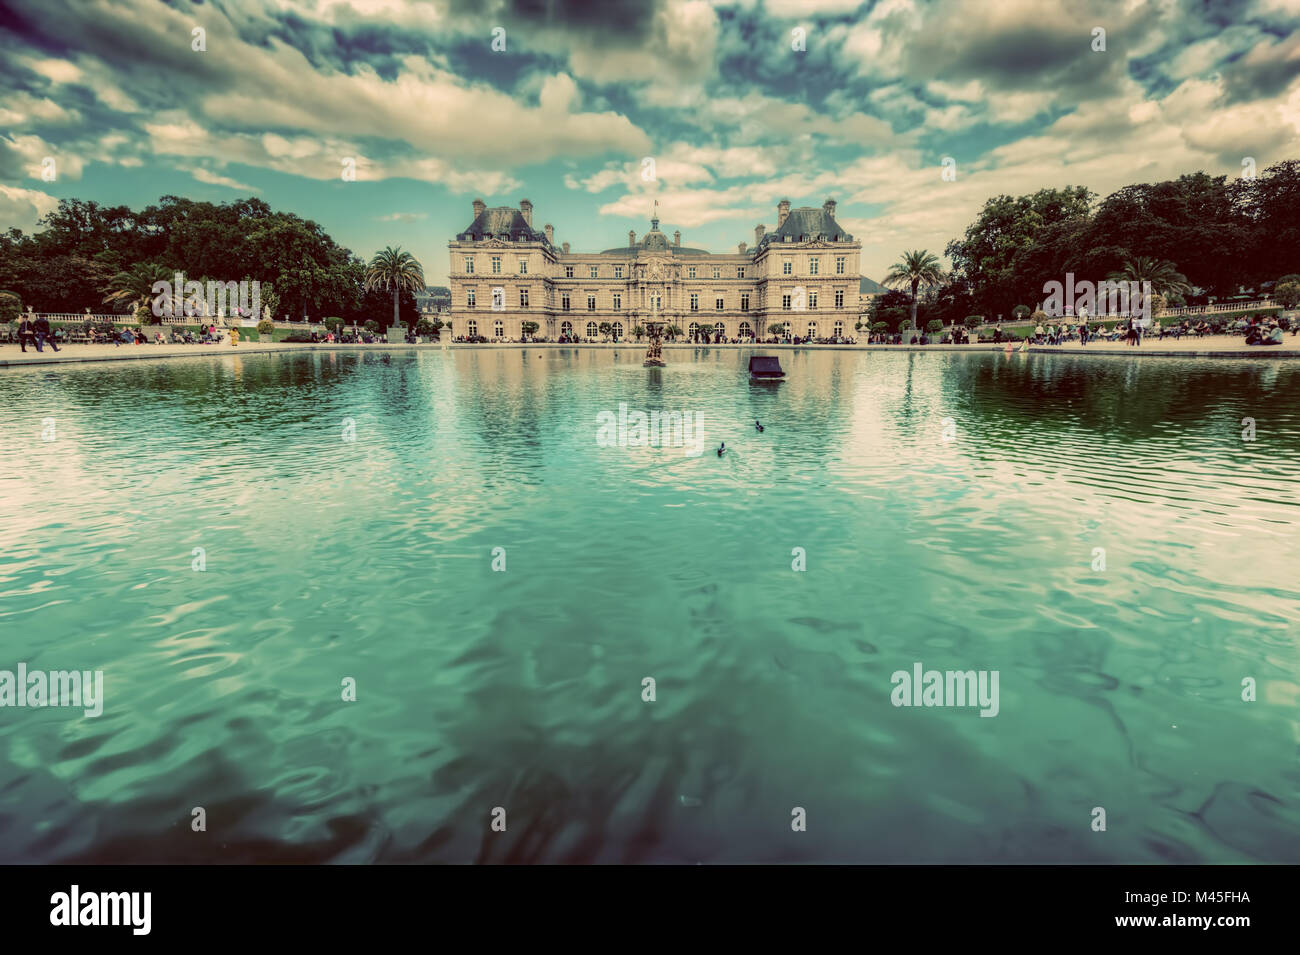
(1272, 335)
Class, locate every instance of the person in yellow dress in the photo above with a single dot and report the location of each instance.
(234, 337)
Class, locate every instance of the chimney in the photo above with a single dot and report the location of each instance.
(828, 207)
(566, 248)
(631, 238)
(742, 248)
(478, 208)
(550, 233)
(759, 230)
(677, 238)
(526, 210)
(782, 210)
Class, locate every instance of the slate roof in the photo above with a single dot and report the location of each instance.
(503, 222)
(807, 223)
(870, 287)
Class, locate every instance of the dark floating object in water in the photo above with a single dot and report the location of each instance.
(722, 448)
(765, 368)
(758, 426)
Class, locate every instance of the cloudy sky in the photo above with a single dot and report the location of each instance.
(739, 105)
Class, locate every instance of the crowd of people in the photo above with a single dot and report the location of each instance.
(701, 339)
(1255, 330)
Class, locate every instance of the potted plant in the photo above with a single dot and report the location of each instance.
(266, 330)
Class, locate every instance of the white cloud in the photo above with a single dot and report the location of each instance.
(216, 179)
(24, 207)
(20, 109)
(790, 9)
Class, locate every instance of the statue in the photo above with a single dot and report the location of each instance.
(654, 356)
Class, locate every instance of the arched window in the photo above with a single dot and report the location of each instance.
(839, 329)
(812, 329)
(720, 328)
(617, 330)
(746, 330)
(566, 328)
(473, 328)
(693, 329)
(499, 330)
(591, 330)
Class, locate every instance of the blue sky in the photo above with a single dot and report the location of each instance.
(739, 105)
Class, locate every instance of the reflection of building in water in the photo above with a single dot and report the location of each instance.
(504, 272)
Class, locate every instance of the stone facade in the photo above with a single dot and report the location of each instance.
(504, 272)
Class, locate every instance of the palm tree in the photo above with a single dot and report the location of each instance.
(135, 285)
(395, 269)
(672, 332)
(604, 328)
(1163, 275)
(916, 268)
(638, 331)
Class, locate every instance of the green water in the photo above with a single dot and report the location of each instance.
(372, 559)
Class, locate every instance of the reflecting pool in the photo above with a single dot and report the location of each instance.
(236, 541)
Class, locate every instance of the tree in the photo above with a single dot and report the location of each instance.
(1020, 312)
(134, 286)
(1196, 220)
(992, 256)
(673, 332)
(638, 332)
(1268, 203)
(916, 268)
(528, 328)
(11, 307)
(891, 307)
(396, 270)
(1163, 276)
(1287, 294)
(604, 328)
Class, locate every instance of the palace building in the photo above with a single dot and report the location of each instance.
(505, 273)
